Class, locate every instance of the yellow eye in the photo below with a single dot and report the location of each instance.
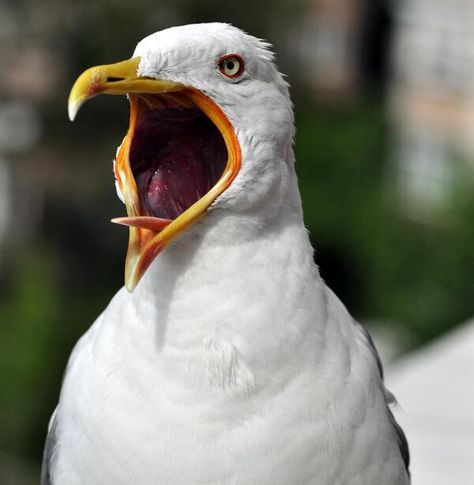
(231, 66)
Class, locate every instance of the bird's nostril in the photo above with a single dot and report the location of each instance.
(111, 79)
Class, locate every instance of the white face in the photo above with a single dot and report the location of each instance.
(256, 101)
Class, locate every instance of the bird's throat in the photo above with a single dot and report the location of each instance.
(177, 155)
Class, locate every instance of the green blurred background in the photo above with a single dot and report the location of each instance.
(384, 155)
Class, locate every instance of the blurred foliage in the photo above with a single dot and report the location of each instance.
(29, 334)
(382, 264)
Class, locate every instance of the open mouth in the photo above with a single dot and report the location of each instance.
(180, 153)
(176, 156)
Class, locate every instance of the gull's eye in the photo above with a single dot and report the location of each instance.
(231, 66)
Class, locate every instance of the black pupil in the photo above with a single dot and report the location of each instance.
(230, 65)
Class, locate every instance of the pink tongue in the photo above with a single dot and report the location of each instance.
(179, 181)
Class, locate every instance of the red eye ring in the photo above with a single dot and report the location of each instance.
(231, 66)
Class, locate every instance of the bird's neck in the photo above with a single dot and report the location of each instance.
(234, 282)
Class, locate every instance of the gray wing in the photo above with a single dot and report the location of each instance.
(48, 453)
(389, 399)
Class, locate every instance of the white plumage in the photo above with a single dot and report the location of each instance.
(231, 362)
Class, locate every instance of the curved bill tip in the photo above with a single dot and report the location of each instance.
(85, 87)
(90, 83)
(118, 78)
(130, 285)
(132, 273)
(72, 109)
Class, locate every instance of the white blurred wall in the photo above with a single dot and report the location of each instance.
(435, 390)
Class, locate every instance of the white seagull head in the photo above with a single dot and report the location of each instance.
(211, 127)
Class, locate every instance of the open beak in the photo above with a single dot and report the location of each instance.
(179, 154)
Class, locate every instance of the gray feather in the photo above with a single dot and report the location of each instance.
(389, 399)
(48, 454)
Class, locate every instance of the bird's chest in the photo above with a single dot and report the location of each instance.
(136, 415)
(129, 433)
(208, 421)
(210, 408)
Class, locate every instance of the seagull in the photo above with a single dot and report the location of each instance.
(225, 359)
